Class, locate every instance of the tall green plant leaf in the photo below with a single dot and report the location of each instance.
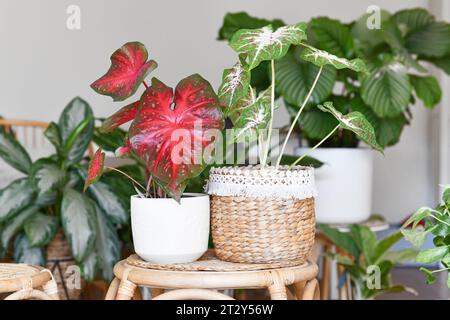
(368, 40)
(385, 244)
(387, 90)
(233, 22)
(12, 152)
(89, 266)
(40, 229)
(332, 36)
(294, 78)
(341, 239)
(265, 43)
(366, 241)
(78, 221)
(14, 198)
(355, 122)
(53, 135)
(77, 115)
(24, 253)
(427, 89)
(317, 124)
(15, 224)
(322, 58)
(46, 177)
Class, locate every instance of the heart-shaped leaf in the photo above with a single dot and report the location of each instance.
(321, 58)
(355, 122)
(122, 116)
(167, 125)
(76, 126)
(78, 221)
(46, 177)
(129, 68)
(14, 198)
(235, 85)
(95, 169)
(40, 229)
(265, 44)
(12, 152)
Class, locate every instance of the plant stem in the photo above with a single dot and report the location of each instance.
(128, 176)
(315, 147)
(440, 270)
(272, 108)
(294, 122)
(441, 221)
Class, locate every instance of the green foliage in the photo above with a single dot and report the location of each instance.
(363, 252)
(436, 222)
(50, 198)
(384, 93)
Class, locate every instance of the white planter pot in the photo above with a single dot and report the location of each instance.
(344, 184)
(165, 231)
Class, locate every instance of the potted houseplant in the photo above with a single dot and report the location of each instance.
(265, 213)
(362, 254)
(45, 217)
(168, 136)
(435, 222)
(395, 55)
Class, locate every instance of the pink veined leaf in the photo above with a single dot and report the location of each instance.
(129, 67)
(124, 150)
(168, 132)
(122, 116)
(95, 169)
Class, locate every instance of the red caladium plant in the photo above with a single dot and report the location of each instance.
(95, 168)
(170, 128)
(129, 68)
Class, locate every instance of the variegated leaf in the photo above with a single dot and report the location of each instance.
(15, 224)
(95, 169)
(265, 44)
(235, 85)
(14, 198)
(25, 253)
(356, 122)
(253, 114)
(321, 58)
(40, 229)
(46, 177)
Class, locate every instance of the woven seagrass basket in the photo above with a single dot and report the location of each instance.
(262, 216)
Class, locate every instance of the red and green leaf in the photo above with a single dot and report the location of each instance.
(169, 130)
(95, 169)
(124, 150)
(129, 68)
(122, 116)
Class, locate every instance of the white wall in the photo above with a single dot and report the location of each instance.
(43, 65)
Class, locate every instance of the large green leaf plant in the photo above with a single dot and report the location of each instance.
(49, 198)
(251, 109)
(398, 56)
(366, 260)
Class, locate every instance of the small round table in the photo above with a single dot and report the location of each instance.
(25, 282)
(198, 280)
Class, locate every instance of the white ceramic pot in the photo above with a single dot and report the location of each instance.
(344, 184)
(165, 231)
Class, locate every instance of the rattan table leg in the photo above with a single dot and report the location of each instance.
(277, 292)
(311, 291)
(112, 290)
(156, 292)
(126, 290)
(326, 269)
(299, 289)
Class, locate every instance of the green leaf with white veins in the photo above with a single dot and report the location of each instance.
(321, 58)
(46, 177)
(356, 122)
(25, 253)
(235, 85)
(78, 221)
(253, 114)
(14, 198)
(40, 229)
(265, 44)
(12, 152)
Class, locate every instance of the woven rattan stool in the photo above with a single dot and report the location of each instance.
(26, 281)
(197, 280)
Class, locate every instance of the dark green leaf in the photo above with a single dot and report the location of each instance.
(14, 198)
(232, 22)
(427, 89)
(24, 253)
(369, 39)
(432, 40)
(74, 115)
(78, 221)
(12, 152)
(306, 161)
(41, 229)
(432, 255)
(341, 239)
(365, 239)
(111, 141)
(316, 124)
(15, 224)
(53, 135)
(332, 36)
(442, 63)
(385, 244)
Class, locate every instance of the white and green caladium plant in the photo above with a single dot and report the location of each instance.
(250, 113)
(50, 198)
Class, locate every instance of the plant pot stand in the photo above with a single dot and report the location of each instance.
(27, 282)
(197, 280)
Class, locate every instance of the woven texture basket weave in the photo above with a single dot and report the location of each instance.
(262, 216)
